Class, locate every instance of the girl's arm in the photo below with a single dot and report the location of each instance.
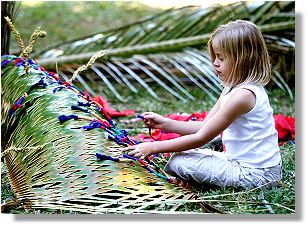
(241, 102)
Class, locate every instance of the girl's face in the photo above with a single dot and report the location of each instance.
(220, 63)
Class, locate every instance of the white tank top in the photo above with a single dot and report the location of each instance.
(252, 139)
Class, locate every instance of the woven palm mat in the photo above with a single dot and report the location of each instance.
(53, 165)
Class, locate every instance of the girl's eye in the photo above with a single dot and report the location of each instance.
(220, 57)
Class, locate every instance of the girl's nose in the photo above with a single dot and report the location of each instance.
(216, 62)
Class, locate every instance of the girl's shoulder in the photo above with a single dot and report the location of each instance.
(256, 94)
(257, 89)
(250, 86)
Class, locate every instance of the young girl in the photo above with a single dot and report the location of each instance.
(242, 112)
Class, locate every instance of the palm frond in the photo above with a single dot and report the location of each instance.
(135, 51)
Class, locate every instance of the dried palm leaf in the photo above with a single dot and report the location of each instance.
(169, 48)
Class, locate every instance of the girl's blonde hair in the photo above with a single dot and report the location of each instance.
(245, 51)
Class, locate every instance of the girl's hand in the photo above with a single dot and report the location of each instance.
(154, 120)
(141, 150)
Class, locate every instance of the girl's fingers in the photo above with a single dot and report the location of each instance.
(132, 153)
(146, 113)
(142, 156)
(128, 148)
(136, 154)
(147, 122)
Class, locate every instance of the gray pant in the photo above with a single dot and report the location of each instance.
(205, 166)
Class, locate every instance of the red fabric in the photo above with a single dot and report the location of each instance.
(158, 135)
(285, 125)
(112, 112)
(186, 117)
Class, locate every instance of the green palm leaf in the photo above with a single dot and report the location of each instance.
(53, 165)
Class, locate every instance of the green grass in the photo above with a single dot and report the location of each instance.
(65, 20)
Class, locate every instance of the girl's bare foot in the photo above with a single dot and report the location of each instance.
(184, 184)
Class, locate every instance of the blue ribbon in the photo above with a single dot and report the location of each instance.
(64, 118)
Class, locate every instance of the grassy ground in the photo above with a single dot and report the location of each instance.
(66, 20)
